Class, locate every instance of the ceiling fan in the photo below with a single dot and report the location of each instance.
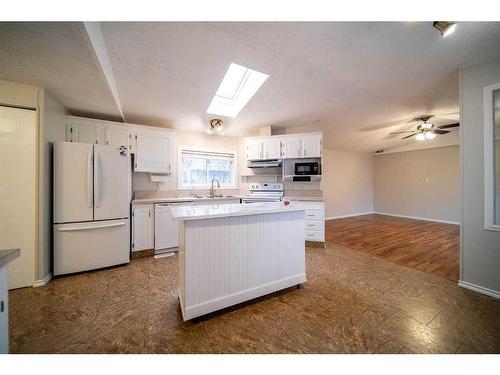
(427, 130)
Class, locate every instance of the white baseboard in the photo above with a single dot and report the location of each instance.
(479, 289)
(417, 218)
(43, 281)
(350, 215)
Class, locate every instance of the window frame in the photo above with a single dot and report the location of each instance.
(180, 170)
(489, 158)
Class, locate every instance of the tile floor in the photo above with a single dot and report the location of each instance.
(352, 303)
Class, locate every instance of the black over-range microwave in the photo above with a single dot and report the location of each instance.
(307, 168)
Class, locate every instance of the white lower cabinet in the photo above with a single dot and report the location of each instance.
(315, 220)
(142, 227)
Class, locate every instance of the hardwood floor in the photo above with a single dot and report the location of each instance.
(425, 245)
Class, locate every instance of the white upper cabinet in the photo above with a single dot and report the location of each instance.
(152, 146)
(118, 137)
(291, 147)
(307, 145)
(84, 133)
(312, 146)
(153, 151)
(253, 149)
(272, 148)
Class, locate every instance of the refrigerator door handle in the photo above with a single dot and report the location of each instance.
(89, 179)
(70, 229)
(97, 171)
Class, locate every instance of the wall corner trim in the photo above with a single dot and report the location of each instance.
(43, 281)
(479, 289)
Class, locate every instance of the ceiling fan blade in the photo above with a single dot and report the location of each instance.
(440, 131)
(402, 132)
(455, 125)
(408, 136)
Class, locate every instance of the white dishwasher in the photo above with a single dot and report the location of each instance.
(166, 229)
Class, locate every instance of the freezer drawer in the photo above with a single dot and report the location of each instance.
(90, 245)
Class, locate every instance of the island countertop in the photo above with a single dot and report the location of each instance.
(228, 210)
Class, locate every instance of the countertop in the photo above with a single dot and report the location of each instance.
(228, 210)
(6, 256)
(181, 199)
(304, 199)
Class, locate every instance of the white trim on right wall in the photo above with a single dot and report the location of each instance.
(489, 158)
(479, 289)
(395, 215)
(418, 218)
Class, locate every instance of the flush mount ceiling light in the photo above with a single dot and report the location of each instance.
(238, 86)
(446, 28)
(216, 126)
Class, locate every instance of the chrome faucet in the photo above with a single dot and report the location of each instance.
(212, 192)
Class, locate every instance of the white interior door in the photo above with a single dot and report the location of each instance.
(73, 179)
(112, 182)
(18, 191)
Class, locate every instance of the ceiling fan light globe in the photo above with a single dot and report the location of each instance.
(420, 137)
(427, 125)
(430, 135)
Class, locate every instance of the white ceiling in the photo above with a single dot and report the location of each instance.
(355, 81)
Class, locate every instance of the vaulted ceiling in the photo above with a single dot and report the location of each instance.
(355, 81)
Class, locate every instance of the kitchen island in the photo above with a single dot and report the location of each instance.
(231, 253)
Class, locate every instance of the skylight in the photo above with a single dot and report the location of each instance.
(238, 86)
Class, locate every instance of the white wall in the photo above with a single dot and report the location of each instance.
(423, 184)
(480, 248)
(52, 129)
(347, 183)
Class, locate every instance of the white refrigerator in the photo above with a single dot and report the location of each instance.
(92, 192)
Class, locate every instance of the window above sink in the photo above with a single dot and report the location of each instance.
(197, 168)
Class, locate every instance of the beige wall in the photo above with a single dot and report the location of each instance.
(422, 184)
(480, 248)
(347, 183)
(52, 129)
